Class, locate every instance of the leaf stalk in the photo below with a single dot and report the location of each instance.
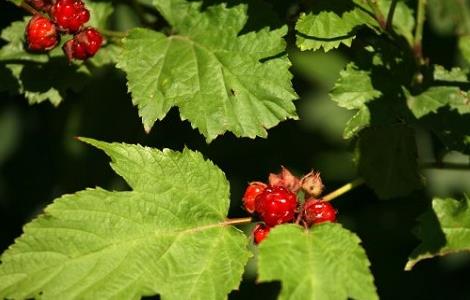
(344, 189)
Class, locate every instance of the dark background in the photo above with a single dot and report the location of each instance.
(40, 160)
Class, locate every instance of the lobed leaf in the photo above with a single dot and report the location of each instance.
(325, 262)
(443, 230)
(167, 235)
(219, 80)
(353, 90)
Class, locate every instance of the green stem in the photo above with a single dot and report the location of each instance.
(377, 13)
(418, 38)
(237, 221)
(29, 8)
(113, 34)
(390, 15)
(344, 189)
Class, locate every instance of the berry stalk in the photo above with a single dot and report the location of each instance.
(344, 189)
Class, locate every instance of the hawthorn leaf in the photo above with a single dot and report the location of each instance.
(387, 160)
(353, 90)
(220, 80)
(443, 230)
(325, 262)
(329, 29)
(455, 74)
(464, 47)
(436, 97)
(166, 236)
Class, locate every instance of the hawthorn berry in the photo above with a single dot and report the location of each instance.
(254, 189)
(317, 211)
(312, 184)
(69, 15)
(41, 34)
(84, 44)
(260, 233)
(285, 179)
(276, 205)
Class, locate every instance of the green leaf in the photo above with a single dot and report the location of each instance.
(167, 236)
(328, 29)
(99, 13)
(448, 17)
(386, 158)
(353, 90)
(442, 231)
(213, 75)
(325, 262)
(464, 47)
(436, 97)
(455, 74)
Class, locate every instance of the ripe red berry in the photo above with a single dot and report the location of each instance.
(84, 44)
(254, 189)
(41, 34)
(276, 205)
(260, 233)
(69, 15)
(318, 211)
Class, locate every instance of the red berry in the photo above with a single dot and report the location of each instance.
(260, 233)
(318, 211)
(276, 205)
(254, 189)
(84, 44)
(69, 15)
(41, 34)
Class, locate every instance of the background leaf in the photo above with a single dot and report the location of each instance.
(386, 159)
(166, 236)
(442, 231)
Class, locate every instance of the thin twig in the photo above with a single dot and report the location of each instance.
(377, 13)
(390, 15)
(29, 8)
(418, 38)
(344, 189)
(113, 34)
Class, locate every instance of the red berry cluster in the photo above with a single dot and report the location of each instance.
(277, 203)
(65, 17)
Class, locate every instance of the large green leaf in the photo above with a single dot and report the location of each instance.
(166, 236)
(325, 262)
(386, 158)
(219, 80)
(444, 230)
(353, 90)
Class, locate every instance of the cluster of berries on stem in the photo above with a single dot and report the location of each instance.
(53, 18)
(277, 202)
